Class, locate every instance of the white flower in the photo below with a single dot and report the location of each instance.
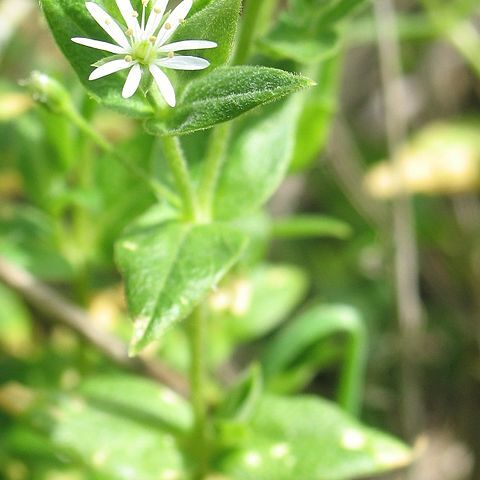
(142, 46)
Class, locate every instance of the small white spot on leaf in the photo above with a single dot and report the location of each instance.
(99, 458)
(253, 459)
(279, 450)
(353, 439)
(140, 325)
(128, 245)
(169, 397)
(392, 458)
(169, 474)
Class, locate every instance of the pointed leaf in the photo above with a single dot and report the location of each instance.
(224, 94)
(169, 268)
(311, 439)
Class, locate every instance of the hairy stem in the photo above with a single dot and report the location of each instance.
(214, 161)
(159, 189)
(179, 167)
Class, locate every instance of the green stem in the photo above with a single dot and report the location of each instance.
(266, 16)
(353, 372)
(159, 189)
(198, 377)
(214, 161)
(179, 168)
(254, 19)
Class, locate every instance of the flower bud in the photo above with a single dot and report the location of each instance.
(48, 92)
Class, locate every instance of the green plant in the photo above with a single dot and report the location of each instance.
(192, 261)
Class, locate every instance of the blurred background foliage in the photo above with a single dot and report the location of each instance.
(60, 215)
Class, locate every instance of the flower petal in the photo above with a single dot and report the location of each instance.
(109, 68)
(173, 21)
(164, 85)
(155, 17)
(129, 15)
(108, 24)
(184, 63)
(187, 45)
(105, 46)
(133, 81)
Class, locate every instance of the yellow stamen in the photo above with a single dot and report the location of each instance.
(129, 32)
(152, 39)
(128, 58)
(168, 26)
(171, 54)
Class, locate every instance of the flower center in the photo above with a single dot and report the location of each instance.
(144, 52)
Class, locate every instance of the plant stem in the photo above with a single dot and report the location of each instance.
(353, 373)
(179, 168)
(198, 376)
(254, 19)
(214, 161)
(159, 189)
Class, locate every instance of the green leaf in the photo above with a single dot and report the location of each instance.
(310, 226)
(259, 301)
(292, 42)
(216, 22)
(291, 358)
(242, 400)
(110, 442)
(319, 105)
(70, 18)
(308, 31)
(224, 94)
(169, 267)
(310, 439)
(240, 403)
(257, 162)
(139, 398)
